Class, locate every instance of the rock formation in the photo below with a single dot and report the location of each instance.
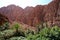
(34, 15)
(3, 19)
(51, 13)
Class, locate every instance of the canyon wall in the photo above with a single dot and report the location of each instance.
(33, 16)
(3, 19)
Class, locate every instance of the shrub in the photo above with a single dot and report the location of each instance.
(50, 33)
(2, 39)
(4, 26)
(46, 34)
(17, 38)
(6, 33)
(18, 29)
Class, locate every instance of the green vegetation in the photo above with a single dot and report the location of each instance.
(4, 26)
(46, 34)
(17, 33)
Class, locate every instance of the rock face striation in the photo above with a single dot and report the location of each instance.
(3, 19)
(52, 10)
(33, 16)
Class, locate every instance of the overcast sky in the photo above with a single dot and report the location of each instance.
(24, 3)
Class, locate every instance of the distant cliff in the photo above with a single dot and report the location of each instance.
(3, 19)
(33, 16)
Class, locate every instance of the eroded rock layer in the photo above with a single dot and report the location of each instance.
(33, 16)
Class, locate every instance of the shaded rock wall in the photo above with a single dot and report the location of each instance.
(3, 19)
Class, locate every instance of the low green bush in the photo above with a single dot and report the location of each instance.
(51, 33)
(17, 38)
(4, 26)
(6, 34)
(46, 34)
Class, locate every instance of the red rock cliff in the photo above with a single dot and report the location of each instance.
(34, 15)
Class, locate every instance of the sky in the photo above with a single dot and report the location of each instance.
(24, 3)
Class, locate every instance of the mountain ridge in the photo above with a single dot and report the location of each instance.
(33, 16)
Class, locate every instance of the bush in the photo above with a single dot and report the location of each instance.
(46, 34)
(18, 29)
(4, 26)
(17, 38)
(50, 33)
(2, 39)
(6, 34)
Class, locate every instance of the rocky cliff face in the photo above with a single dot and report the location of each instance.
(34, 15)
(51, 11)
(3, 19)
